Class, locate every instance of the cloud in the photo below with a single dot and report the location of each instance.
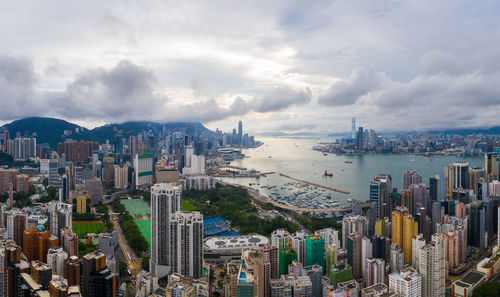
(17, 85)
(126, 91)
(281, 98)
(349, 91)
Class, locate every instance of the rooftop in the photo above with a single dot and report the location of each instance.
(234, 242)
(473, 277)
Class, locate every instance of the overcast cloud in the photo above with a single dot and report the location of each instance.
(279, 66)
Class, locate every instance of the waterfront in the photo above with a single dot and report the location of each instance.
(295, 157)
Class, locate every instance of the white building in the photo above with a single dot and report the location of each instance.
(279, 237)
(330, 235)
(353, 224)
(432, 267)
(416, 244)
(165, 201)
(194, 164)
(366, 252)
(299, 245)
(407, 283)
(143, 167)
(60, 216)
(146, 284)
(186, 237)
(24, 148)
(56, 257)
(396, 258)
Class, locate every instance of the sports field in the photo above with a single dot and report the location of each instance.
(187, 206)
(136, 207)
(145, 227)
(82, 228)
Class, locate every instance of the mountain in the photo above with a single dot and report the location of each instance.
(52, 131)
(47, 130)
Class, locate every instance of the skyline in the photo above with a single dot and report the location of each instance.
(289, 67)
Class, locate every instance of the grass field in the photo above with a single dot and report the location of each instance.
(136, 207)
(81, 228)
(187, 206)
(145, 227)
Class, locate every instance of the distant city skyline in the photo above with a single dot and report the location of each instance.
(279, 67)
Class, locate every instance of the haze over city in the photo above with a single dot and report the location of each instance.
(281, 66)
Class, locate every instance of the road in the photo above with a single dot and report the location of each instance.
(134, 263)
(289, 217)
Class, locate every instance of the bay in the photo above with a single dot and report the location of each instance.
(295, 157)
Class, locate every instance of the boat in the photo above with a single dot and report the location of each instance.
(348, 161)
(350, 200)
(328, 174)
(325, 154)
(269, 157)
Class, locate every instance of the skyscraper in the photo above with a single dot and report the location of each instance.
(60, 216)
(491, 167)
(240, 133)
(432, 267)
(143, 167)
(404, 229)
(24, 148)
(95, 278)
(165, 201)
(298, 241)
(353, 128)
(353, 247)
(186, 243)
(315, 251)
(56, 258)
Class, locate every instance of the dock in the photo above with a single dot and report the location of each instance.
(315, 184)
(266, 173)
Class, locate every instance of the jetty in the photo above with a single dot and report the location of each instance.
(315, 184)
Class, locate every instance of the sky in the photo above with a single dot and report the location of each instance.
(279, 66)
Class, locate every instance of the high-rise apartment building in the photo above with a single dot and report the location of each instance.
(374, 271)
(36, 244)
(432, 267)
(353, 247)
(298, 241)
(60, 216)
(186, 243)
(72, 271)
(315, 251)
(404, 229)
(77, 151)
(411, 177)
(56, 258)
(95, 278)
(165, 201)
(143, 167)
(353, 224)
(121, 177)
(69, 242)
(491, 167)
(24, 148)
(407, 283)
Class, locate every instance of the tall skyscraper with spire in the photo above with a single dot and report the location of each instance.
(353, 129)
(240, 133)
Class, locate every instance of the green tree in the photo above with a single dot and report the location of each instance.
(123, 268)
(487, 290)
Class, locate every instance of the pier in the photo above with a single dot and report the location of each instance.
(315, 184)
